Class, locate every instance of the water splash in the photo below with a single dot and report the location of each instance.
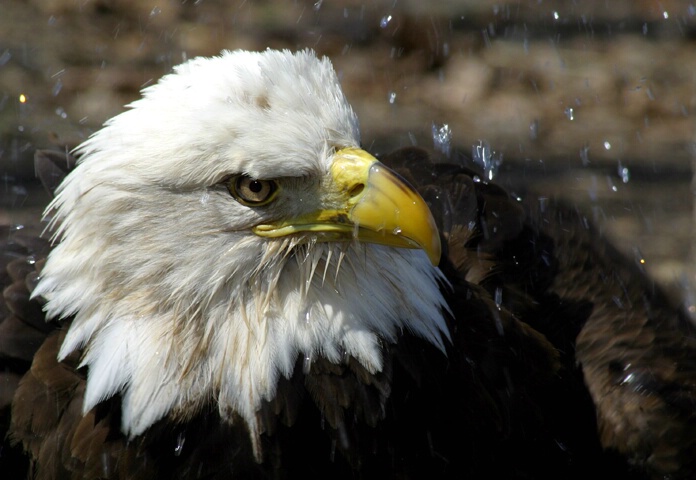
(5, 57)
(498, 297)
(57, 87)
(623, 172)
(585, 155)
(179, 447)
(307, 364)
(486, 158)
(534, 129)
(442, 138)
(384, 22)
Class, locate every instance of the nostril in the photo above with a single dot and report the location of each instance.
(357, 190)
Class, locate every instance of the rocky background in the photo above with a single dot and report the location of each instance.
(589, 100)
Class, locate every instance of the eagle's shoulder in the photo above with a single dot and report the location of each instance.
(625, 351)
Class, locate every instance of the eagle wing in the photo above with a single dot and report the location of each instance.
(626, 383)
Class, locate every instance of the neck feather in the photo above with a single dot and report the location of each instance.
(228, 334)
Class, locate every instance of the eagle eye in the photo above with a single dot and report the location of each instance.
(252, 191)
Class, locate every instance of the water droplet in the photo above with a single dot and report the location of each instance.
(665, 15)
(638, 256)
(556, 16)
(498, 323)
(569, 114)
(5, 57)
(607, 145)
(392, 97)
(498, 298)
(534, 129)
(585, 155)
(180, 440)
(317, 5)
(442, 138)
(155, 11)
(307, 364)
(385, 21)
(57, 87)
(61, 113)
(486, 158)
(204, 198)
(396, 231)
(624, 173)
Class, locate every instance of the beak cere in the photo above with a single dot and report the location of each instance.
(369, 203)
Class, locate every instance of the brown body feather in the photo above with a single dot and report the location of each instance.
(565, 362)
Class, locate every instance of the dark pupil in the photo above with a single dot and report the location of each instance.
(255, 186)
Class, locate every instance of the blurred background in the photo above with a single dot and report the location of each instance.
(590, 100)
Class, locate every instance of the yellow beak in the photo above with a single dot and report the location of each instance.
(366, 201)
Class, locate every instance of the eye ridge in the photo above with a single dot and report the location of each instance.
(252, 191)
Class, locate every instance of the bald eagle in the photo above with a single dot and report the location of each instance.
(234, 288)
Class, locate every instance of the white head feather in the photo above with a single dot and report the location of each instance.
(175, 301)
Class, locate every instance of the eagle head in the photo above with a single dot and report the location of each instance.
(224, 226)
